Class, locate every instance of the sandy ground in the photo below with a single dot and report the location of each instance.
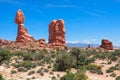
(47, 76)
(104, 68)
(23, 75)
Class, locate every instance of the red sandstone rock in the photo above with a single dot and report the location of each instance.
(22, 34)
(42, 41)
(4, 42)
(57, 33)
(106, 44)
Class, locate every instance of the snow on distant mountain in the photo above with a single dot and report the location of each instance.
(85, 45)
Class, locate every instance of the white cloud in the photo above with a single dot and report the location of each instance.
(73, 42)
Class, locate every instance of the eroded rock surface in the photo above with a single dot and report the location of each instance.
(22, 33)
(106, 44)
(57, 33)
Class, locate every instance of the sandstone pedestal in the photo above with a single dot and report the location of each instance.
(22, 33)
(57, 33)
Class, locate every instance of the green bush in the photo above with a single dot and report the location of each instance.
(5, 55)
(19, 53)
(47, 59)
(68, 76)
(27, 64)
(38, 56)
(113, 75)
(41, 71)
(64, 61)
(81, 69)
(46, 70)
(111, 69)
(81, 76)
(94, 69)
(75, 52)
(31, 72)
(28, 56)
(53, 78)
(82, 60)
(1, 77)
(117, 78)
(21, 69)
(77, 76)
(13, 71)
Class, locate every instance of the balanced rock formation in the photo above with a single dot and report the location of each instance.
(57, 33)
(106, 44)
(22, 34)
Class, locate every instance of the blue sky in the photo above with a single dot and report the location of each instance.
(85, 20)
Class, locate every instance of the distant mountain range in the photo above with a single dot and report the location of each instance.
(85, 45)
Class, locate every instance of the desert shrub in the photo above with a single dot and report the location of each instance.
(31, 72)
(112, 57)
(13, 71)
(68, 76)
(77, 76)
(5, 55)
(18, 53)
(53, 78)
(41, 63)
(47, 59)
(80, 76)
(25, 64)
(41, 71)
(90, 60)
(82, 56)
(75, 52)
(52, 54)
(82, 60)
(28, 64)
(51, 73)
(117, 78)
(1, 77)
(28, 56)
(94, 69)
(46, 70)
(21, 69)
(64, 61)
(38, 56)
(117, 52)
(33, 78)
(109, 62)
(113, 75)
(111, 69)
(81, 69)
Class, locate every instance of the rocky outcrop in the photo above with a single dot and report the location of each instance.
(42, 41)
(106, 44)
(57, 33)
(22, 33)
(4, 42)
